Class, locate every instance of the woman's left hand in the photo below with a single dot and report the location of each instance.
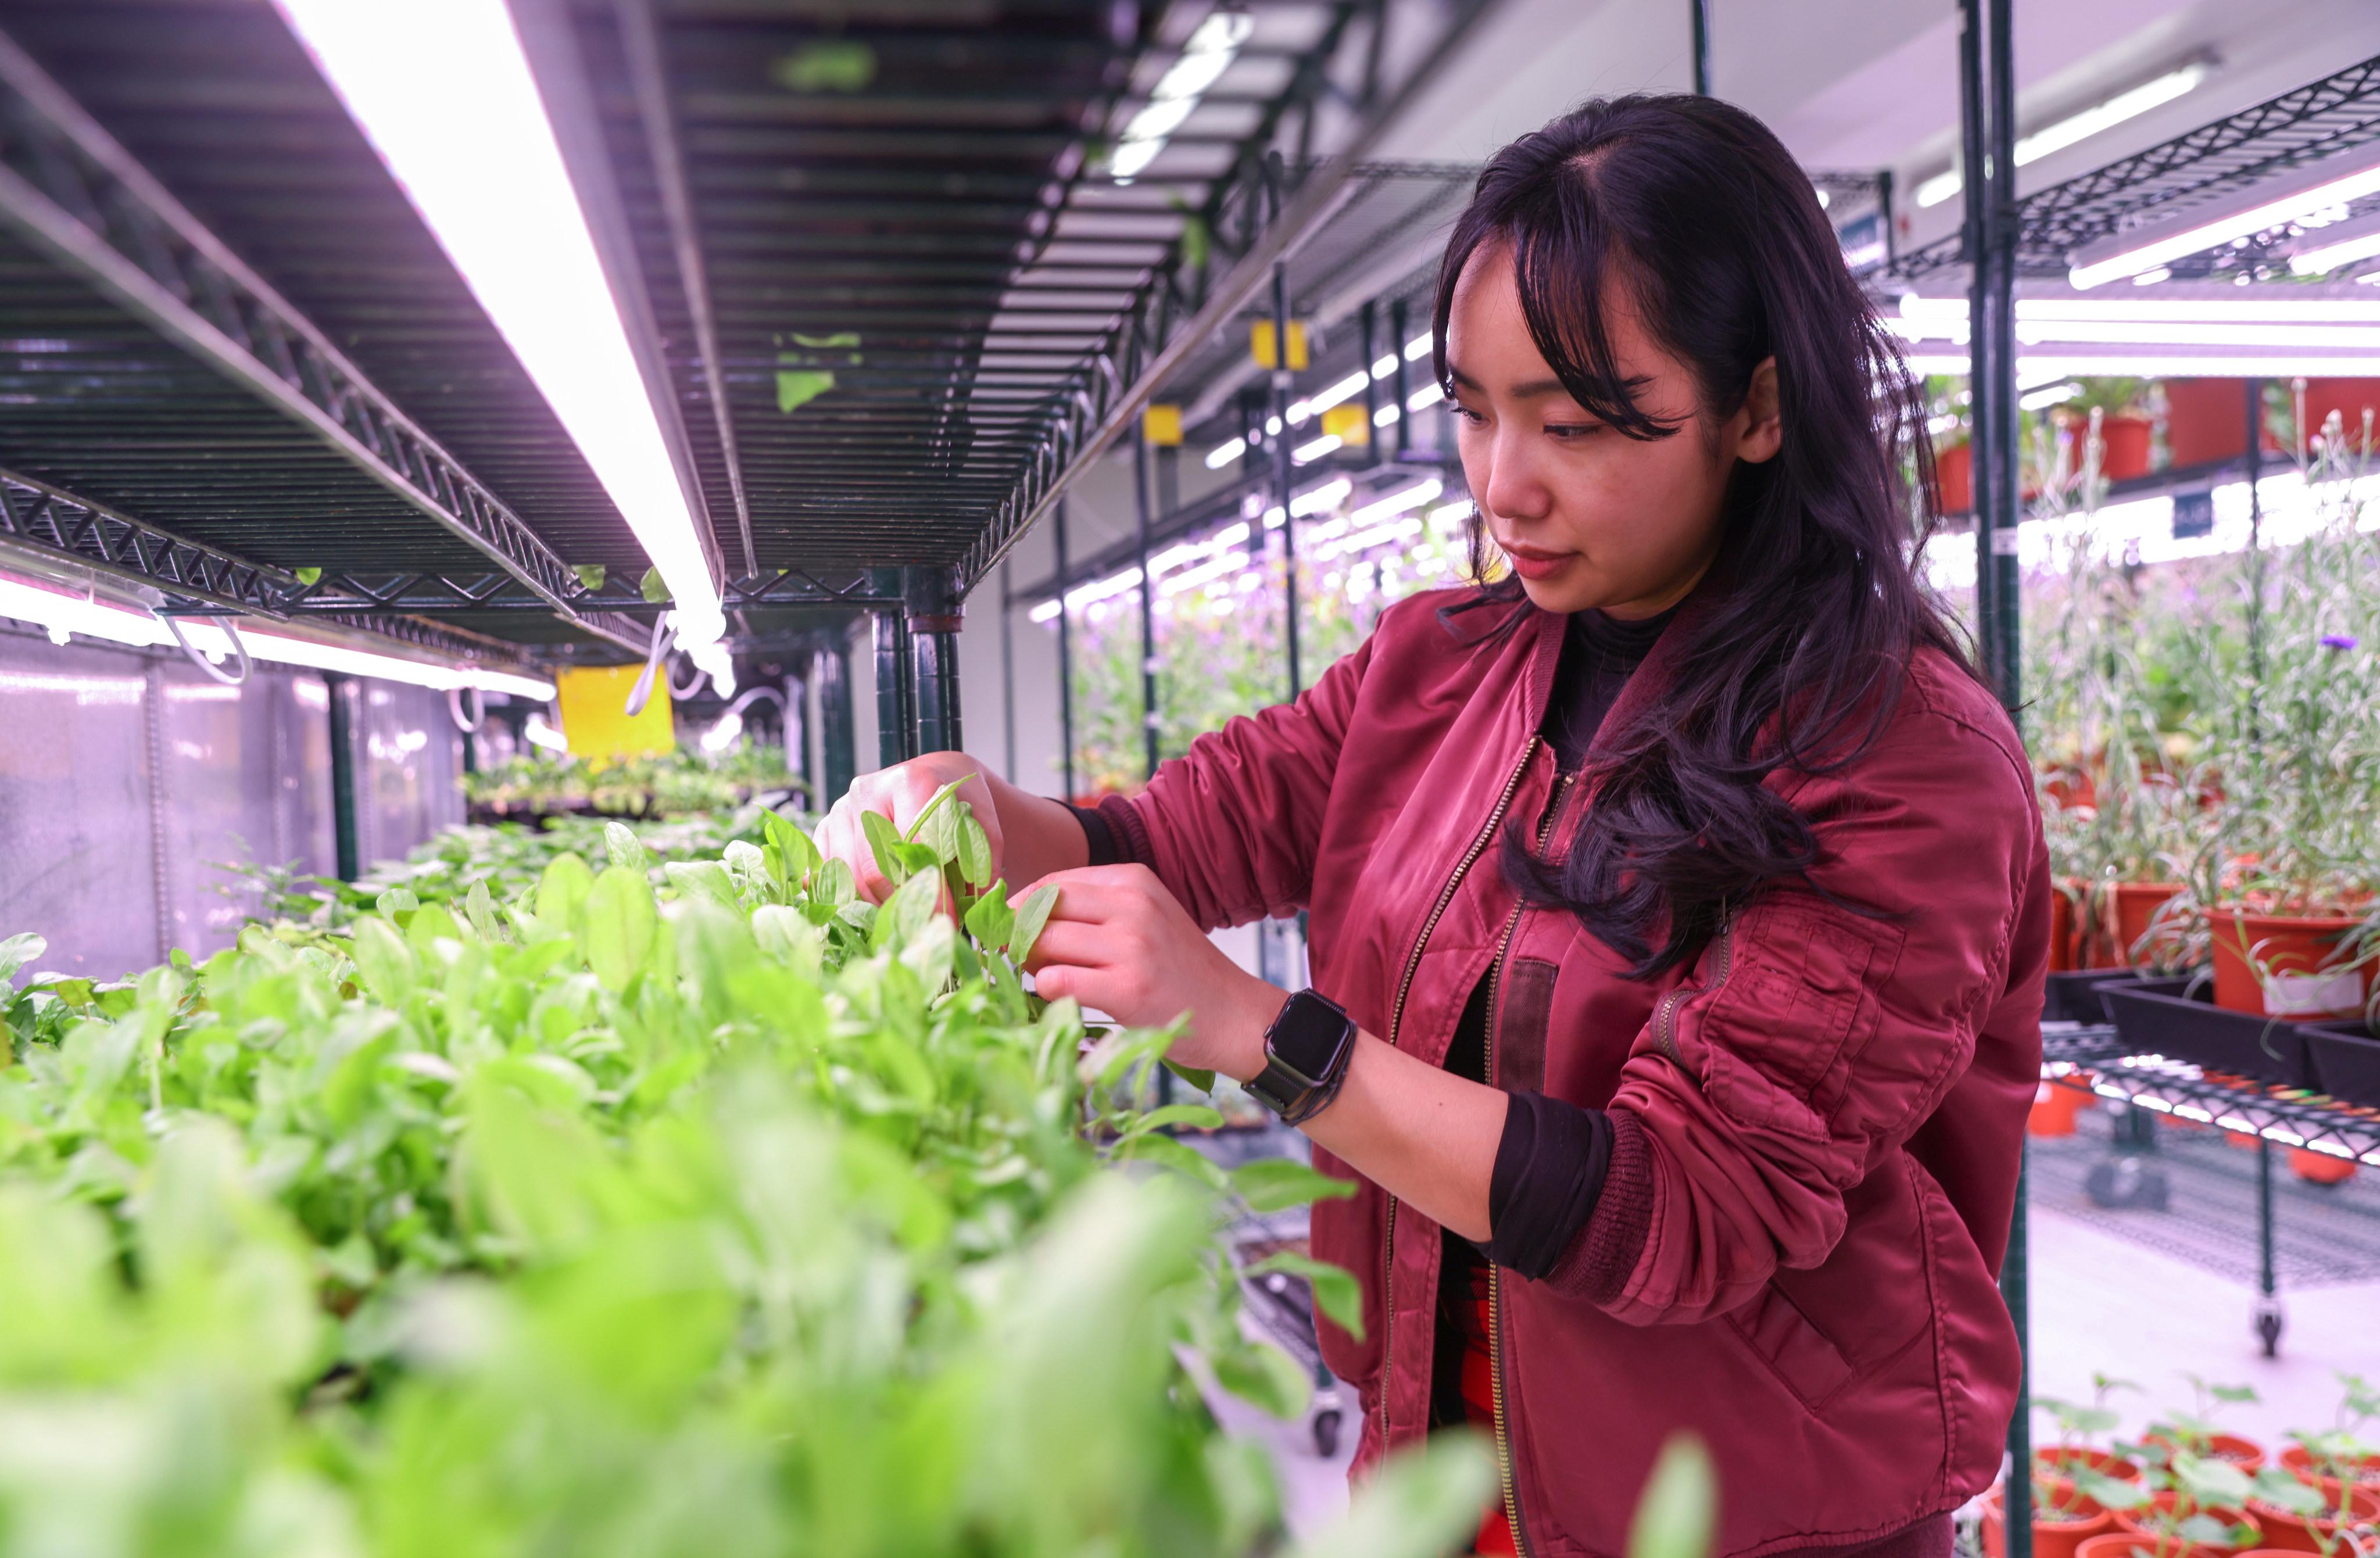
(1119, 943)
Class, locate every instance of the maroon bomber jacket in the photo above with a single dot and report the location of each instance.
(1817, 1125)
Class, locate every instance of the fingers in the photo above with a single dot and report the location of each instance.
(899, 794)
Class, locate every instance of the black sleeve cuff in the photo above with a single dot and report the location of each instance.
(1097, 834)
(1550, 1164)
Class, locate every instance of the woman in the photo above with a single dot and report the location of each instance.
(1684, 892)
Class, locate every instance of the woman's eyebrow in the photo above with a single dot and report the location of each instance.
(1530, 391)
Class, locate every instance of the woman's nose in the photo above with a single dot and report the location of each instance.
(1516, 487)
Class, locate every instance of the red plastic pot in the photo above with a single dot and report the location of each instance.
(2206, 419)
(2127, 1522)
(1954, 477)
(2136, 905)
(2124, 447)
(2299, 950)
(2319, 1168)
(2295, 1533)
(2367, 1469)
(2245, 1454)
(2055, 1104)
(2061, 931)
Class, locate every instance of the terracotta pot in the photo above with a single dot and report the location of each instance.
(2297, 948)
(1954, 477)
(2367, 1469)
(2295, 1533)
(2051, 1538)
(2136, 905)
(2316, 1168)
(2055, 1104)
(2127, 1522)
(2061, 931)
(2124, 451)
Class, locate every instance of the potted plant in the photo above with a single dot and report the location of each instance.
(2320, 1507)
(2334, 1451)
(2067, 1478)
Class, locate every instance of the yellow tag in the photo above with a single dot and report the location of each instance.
(1349, 425)
(595, 713)
(1161, 426)
(1260, 345)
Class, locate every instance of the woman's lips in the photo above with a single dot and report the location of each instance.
(1533, 562)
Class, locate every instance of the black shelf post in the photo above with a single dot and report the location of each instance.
(932, 600)
(838, 744)
(343, 775)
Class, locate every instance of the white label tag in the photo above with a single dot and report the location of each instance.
(2004, 542)
(2313, 995)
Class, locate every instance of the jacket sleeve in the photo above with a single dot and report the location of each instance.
(1233, 826)
(1813, 1038)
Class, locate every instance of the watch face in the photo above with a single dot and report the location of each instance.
(1309, 1034)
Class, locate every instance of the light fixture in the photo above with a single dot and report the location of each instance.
(2080, 126)
(443, 91)
(2172, 364)
(2326, 249)
(1224, 453)
(2054, 395)
(1207, 53)
(66, 615)
(2261, 308)
(2332, 182)
(541, 734)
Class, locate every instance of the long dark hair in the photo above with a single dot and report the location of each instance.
(1700, 213)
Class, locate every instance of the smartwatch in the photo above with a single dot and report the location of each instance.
(1306, 1051)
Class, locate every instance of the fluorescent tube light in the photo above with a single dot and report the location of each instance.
(443, 93)
(2080, 126)
(2333, 182)
(1206, 55)
(2052, 395)
(1224, 453)
(2257, 308)
(2151, 364)
(1306, 454)
(65, 615)
(2326, 249)
(541, 734)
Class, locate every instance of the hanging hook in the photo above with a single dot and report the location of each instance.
(455, 709)
(174, 626)
(664, 634)
(678, 694)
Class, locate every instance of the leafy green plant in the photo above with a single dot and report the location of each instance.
(628, 1204)
(2066, 1484)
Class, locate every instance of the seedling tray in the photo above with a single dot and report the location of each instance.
(2074, 997)
(2345, 1059)
(2154, 1016)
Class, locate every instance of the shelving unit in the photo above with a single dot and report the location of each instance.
(2273, 1114)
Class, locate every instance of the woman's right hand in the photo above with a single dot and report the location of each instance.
(1031, 836)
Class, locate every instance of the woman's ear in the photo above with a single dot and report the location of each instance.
(1760, 431)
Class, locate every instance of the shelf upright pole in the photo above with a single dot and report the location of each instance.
(2255, 460)
(894, 730)
(1398, 325)
(1007, 675)
(343, 776)
(934, 606)
(1284, 471)
(1987, 113)
(838, 731)
(1147, 605)
(2268, 1304)
(1700, 12)
(1368, 323)
(1065, 661)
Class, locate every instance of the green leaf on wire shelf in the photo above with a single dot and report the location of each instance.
(591, 575)
(991, 921)
(653, 587)
(827, 64)
(797, 387)
(307, 576)
(1336, 1292)
(620, 844)
(1262, 1375)
(1276, 1184)
(1031, 915)
(619, 927)
(884, 842)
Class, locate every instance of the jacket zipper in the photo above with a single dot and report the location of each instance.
(1396, 1026)
(1495, 1285)
(1665, 1021)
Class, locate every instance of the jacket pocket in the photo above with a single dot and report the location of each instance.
(1797, 1352)
(1525, 1016)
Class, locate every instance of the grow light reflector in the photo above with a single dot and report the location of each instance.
(2326, 249)
(1206, 55)
(2332, 182)
(443, 91)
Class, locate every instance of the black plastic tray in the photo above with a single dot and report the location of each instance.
(2345, 1059)
(2074, 996)
(2154, 1017)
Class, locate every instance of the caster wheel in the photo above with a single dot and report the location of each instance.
(1326, 1434)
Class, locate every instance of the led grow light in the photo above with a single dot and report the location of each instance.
(1205, 56)
(443, 93)
(2326, 249)
(2333, 182)
(2081, 126)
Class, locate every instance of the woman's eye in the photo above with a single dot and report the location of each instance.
(1572, 432)
(1474, 417)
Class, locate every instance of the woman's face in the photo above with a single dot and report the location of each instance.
(1588, 517)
